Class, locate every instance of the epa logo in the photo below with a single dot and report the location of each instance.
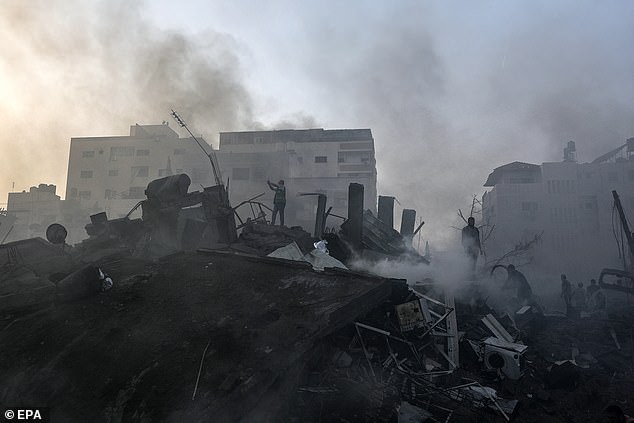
(23, 414)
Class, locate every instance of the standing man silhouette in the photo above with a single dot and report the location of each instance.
(471, 242)
(279, 200)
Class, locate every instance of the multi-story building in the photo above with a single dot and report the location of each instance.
(569, 203)
(309, 161)
(32, 211)
(111, 173)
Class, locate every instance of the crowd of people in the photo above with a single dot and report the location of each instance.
(580, 299)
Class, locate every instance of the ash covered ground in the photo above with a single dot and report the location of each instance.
(268, 326)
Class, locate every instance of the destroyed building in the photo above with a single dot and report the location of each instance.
(173, 317)
(568, 203)
(110, 173)
(185, 309)
(308, 160)
(30, 212)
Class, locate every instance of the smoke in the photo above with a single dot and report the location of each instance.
(450, 270)
(75, 68)
(453, 90)
(450, 90)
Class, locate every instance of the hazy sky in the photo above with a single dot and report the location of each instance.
(450, 89)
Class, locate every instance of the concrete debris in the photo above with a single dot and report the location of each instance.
(319, 259)
(563, 376)
(264, 239)
(272, 325)
(379, 241)
(408, 413)
(496, 328)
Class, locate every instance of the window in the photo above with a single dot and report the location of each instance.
(341, 157)
(85, 174)
(321, 159)
(240, 173)
(140, 171)
(113, 172)
(110, 194)
(87, 154)
(118, 152)
(243, 140)
(136, 192)
(561, 186)
(142, 153)
(588, 202)
(630, 175)
(300, 160)
(529, 210)
(84, 195)
(179, 151)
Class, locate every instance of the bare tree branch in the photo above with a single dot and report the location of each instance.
(520, 251)
(487, 234)
(462, 216)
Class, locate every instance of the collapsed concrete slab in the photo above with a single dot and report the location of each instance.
(235, 329)
(28, 272)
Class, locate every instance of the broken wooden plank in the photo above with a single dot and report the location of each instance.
(496, 328)
(452, 330)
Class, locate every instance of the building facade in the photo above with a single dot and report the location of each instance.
(309, 161)
(33, 210)
(569, 203)
(111, 173)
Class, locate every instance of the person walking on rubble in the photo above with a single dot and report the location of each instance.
(592, 288)
(279, 200)
(566, 293)
(471, 242)
(516, 279)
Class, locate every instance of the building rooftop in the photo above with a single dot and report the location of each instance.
(494, 177)
(296, 135)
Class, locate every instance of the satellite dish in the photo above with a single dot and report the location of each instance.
(56, 233)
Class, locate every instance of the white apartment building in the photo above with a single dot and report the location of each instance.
(570, 202)
(111, 173)
(309, 161)
(32, 211)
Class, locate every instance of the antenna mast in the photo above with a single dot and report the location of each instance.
(216, 171)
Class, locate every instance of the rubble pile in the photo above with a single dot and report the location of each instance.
(264, 239)
(174, 317)
(134, 352)
(373, 370)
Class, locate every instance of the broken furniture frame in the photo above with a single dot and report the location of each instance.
(450, 330)
(260, 217)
